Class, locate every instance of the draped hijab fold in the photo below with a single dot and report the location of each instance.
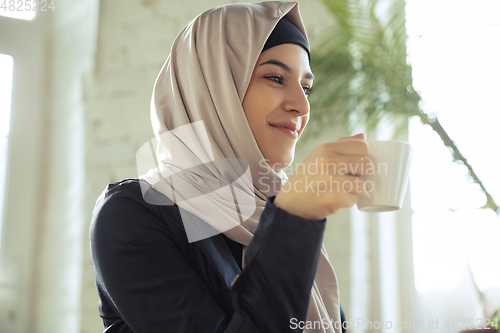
(204, 145)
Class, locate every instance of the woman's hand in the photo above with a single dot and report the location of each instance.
(329, 179)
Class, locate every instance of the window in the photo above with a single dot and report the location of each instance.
(17, 9)
(25, 42)
(454, 53)
(6, 67)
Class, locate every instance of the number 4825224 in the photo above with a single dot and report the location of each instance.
(27, 5)
(462, 323)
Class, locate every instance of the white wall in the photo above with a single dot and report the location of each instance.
(61, 251)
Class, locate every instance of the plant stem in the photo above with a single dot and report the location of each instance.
(457, 155)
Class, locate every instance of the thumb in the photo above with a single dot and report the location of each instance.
(361, 136)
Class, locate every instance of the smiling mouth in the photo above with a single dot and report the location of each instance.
(287, 131)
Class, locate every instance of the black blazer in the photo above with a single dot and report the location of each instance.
(150, 279)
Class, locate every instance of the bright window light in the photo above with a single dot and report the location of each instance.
(6, 67)
(453, 49)
(28, 15)
(6, 70)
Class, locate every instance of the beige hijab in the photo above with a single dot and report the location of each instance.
(204, 144)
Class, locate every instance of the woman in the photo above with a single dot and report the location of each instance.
(215, 238)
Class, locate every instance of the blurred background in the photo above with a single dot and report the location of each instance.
(75, 85)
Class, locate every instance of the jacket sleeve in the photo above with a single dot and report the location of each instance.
(149, 283)
(272, 292)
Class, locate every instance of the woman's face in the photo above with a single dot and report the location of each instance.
(276, 99)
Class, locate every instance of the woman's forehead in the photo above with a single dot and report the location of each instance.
(289, 57)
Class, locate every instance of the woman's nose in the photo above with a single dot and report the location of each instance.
(296, 100)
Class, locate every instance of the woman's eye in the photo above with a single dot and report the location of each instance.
(276, 78)
(307, 90)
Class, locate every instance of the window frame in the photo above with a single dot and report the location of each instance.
(22, 209)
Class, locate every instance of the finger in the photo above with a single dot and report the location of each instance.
(355, 166)
(347, 200)
(361, 136)
(348, 165)
(348, 147)
(353, 185)
(341, 185)
(364, 167)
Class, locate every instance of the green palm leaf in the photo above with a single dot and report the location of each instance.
(362, 75)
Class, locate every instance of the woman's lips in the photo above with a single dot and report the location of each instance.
(287, 131)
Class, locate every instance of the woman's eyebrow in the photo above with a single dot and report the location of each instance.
(286, 67)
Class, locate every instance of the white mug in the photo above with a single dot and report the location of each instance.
(385, 184)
